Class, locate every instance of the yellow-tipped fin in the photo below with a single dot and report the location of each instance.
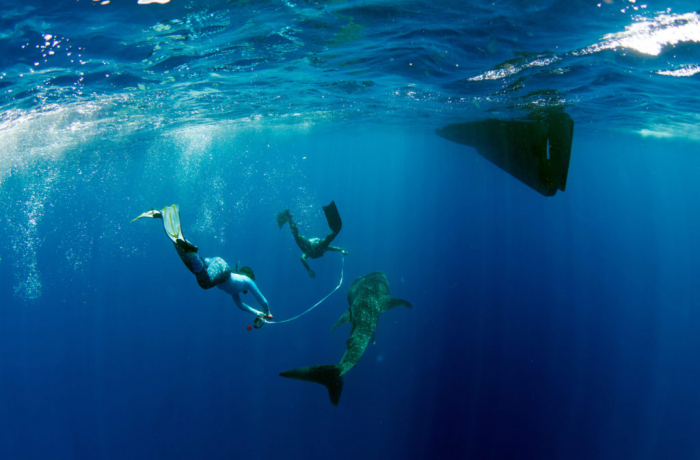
(171, 221)
(153, 214)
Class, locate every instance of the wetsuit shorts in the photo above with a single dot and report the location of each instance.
(209, 271)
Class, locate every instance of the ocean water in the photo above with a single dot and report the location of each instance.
(542, 328)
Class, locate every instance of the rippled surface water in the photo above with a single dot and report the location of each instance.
(629, 64)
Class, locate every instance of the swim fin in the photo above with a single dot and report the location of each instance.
(171, 225)
(152, 213)
(333, 217)
(283, 218)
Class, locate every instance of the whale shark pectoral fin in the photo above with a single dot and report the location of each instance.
(391, 302)
(345, 318)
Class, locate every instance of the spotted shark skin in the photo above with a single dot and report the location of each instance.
(368, 297)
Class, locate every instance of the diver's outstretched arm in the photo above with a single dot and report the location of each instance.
(246, 308)
(325, 242)
(253, 288)
(306, 265)
(337, 249)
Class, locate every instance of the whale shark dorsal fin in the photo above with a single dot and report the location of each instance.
(391, 302)
(345, 318)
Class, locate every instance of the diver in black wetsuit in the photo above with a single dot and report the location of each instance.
(314, 247)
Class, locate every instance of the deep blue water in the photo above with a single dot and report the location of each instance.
(541, 328)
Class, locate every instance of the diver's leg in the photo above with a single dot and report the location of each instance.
(301, 241)
(192, 260)
(322, 246)
(186, 245)
(306, 265)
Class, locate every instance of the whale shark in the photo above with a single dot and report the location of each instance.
(368, 297)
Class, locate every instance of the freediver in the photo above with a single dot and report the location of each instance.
(314, 247)
(212, 271)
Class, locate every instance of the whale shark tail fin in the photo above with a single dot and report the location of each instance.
(327, 375)
(333, 217)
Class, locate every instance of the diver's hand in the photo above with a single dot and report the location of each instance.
(344, 252)
(312, 274)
